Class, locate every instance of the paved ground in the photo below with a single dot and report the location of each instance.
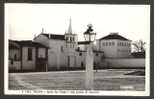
(103, 80)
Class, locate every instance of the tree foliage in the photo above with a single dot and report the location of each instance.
(139, 46)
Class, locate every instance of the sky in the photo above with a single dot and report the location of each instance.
(23, 21)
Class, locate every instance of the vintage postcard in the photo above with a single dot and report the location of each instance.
(77, 49)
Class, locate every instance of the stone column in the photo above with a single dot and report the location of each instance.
(89, 68)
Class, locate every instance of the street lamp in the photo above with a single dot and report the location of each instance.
(89, 37)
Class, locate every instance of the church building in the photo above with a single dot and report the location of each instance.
(66, 52)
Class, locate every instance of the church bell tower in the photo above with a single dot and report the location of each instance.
(71, 45)
(70, 38)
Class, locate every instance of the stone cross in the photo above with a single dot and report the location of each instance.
(89, 68)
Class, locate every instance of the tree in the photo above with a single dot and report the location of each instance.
(139, 46)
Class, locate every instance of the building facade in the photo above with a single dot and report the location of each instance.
(65, 51)
(114, 46)
(27, 56)
(50, 51)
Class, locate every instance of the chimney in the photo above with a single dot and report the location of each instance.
(114, 33)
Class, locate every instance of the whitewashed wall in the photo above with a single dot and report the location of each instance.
(55, 47)
(16, 63)
(41, 52)
(115, 50)
(28, 64)
(109, 51)
(13, 52)
(97, 59)
(126, 62)
(15, 66)
(80, 59)
(42, 39)
(125, 50)
(55, 55)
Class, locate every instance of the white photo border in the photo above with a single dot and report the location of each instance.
(77, 92)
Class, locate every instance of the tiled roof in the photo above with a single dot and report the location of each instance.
(97, 51)
(83, 42)
(54, 36)
(28, 43)
(113, 36)
(13, 45)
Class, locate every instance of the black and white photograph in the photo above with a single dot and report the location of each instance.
(77, 49)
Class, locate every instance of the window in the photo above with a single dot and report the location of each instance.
(121, 43)
(15, 57)
(73, 39)
(106, 43)
(80, 54)
(70, 39)
(29, 53)
(128, 44)
(125, 44)
(11, 61)
(66, 38)
(118, 44)
(62, 50)
(78, 48)
(113, 43)
(41, 53)
(82, 65)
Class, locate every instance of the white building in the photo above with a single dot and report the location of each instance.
(27, 56)
(114, 46)
(64, 50)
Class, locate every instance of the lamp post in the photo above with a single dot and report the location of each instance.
(89, 37)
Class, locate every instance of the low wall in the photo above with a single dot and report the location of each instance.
(126, 62)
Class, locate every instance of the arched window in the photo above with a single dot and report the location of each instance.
(66, 38)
